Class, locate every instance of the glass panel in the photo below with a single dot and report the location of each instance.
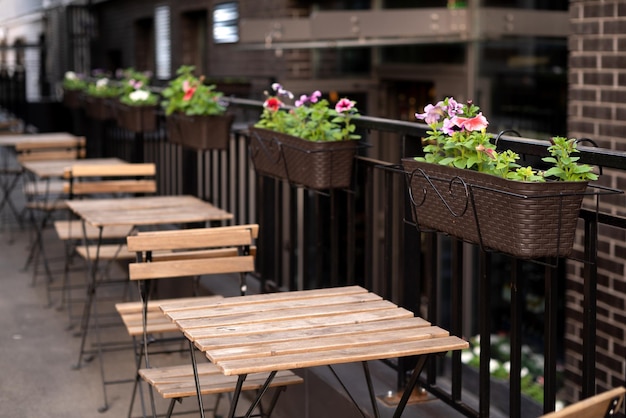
(163, 45)
(225, 23)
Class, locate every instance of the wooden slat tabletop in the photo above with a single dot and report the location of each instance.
(60, 138)
(280, 331)
(151, 210)
(56, 168)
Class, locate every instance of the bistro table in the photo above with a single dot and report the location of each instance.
(11, 173)
(291, 330)
(52, 138)
(150, 211)
(56, 168)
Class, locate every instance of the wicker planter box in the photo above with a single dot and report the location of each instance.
(200, 132)
(71, 99)
(99, 108)
(523, 219)
(316, 165)
(136, 118)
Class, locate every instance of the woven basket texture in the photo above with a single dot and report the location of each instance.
(136, 118)
(210, 132)
(98, 108)
(315, 165)
(528, 220)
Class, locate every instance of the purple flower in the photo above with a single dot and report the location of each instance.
(448, 127)
(453, 108)
(278, 88)
(315, 96)
(303, 99)
(431, 114)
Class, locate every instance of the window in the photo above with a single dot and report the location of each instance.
(163, 43)
(225, 19)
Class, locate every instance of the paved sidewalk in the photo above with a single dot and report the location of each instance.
(38, 351)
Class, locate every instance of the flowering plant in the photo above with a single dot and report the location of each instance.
(135, 90)
(458, 138)
(312, 118)
(74, 81)
(189, 95)
(103, 87)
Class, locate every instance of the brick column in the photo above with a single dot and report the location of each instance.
(597, 110)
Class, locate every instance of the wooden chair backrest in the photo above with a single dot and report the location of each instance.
(193, 252)
(91, 179)
(62, 149)
(603, 405)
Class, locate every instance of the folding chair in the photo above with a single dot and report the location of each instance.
(185, 253)
(97, 180)
(603, 405)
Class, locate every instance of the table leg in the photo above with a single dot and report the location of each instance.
(370, 388)
(262, 391)
(233, 405)
(92, 265)
(421, 361)
(197, 378)
(7, 188)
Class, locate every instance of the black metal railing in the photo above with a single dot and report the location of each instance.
(360, 235)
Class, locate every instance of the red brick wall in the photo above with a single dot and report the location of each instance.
(597, 110)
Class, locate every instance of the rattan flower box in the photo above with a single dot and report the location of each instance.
(211, 132)
(524, 219)
(71, 98)
(315, 165)
(136, 118)
(99, 108)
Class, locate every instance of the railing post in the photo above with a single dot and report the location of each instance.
(590, 278)
(517, 302)
(484, 326)
(550, 332)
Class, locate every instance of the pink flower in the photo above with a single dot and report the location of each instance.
(477, 123)
(136, 84)
(344, 105)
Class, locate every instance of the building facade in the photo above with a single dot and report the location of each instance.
(540, 67)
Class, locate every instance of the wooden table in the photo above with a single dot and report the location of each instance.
(11, 173)
(290, 330)
(56, 168)
(53, 138)
(136, 211)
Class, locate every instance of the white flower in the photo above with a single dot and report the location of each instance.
(507, 366)
(493, 365)
(476, 351)
(101, 83)
(466, 356)
(524, 372)
(71, 75)
(139, 95)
